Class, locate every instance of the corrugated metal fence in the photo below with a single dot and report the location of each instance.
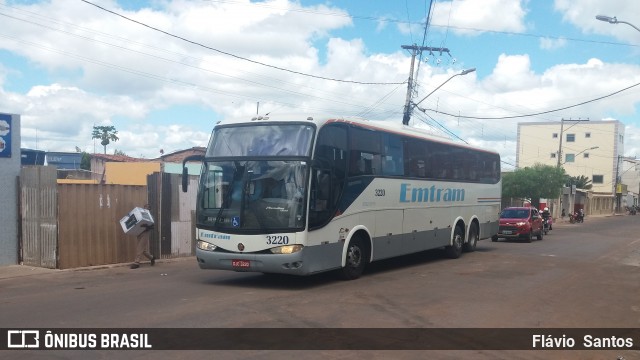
(82, 228)
(89, 223)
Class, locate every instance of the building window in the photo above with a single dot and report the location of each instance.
(553, 155)
(571, 137)
(555, 135)
(597, 179)
(621, 139)
(587, 135)
(570, 158)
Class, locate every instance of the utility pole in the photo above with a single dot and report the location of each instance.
(571, 193)
(561, 131)
(618, 186)
(560, 147)
(408, 106)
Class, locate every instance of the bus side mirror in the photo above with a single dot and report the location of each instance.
(185, 171)
(185, 179)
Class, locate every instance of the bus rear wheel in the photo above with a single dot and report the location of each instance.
(454, 250)
(357, 255)
(470, 245)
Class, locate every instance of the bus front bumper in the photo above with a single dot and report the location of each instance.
(298, 263)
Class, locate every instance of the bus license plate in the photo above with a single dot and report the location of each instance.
(241, 263)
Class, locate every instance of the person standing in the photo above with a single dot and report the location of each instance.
(142, 245)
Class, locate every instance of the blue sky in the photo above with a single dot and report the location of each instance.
(66, 66)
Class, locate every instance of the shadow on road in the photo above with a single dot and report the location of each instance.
(292, 282)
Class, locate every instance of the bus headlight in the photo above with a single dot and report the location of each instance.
(287, 249)
(203, 245)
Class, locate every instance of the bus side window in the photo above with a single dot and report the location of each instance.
(389, 167)
(392, 156)
(417, 168)
(357, 165)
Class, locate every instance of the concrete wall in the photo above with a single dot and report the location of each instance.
(9, 172)
(130, 173)
(192, 168)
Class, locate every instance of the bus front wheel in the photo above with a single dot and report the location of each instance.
(357, 255)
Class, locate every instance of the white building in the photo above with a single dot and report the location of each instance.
(630, 176)
(587, 148)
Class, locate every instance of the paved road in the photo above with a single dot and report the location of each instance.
(580, 275)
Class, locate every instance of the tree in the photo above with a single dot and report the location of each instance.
(106, 134)
(581, 182)
(539, 181)
(85, 163)
(119, 152)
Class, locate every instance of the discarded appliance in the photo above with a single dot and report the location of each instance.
(136, 221)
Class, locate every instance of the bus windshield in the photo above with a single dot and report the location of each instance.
(262, 140)
(253, 196)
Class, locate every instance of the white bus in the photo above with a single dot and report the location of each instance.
(303, 195)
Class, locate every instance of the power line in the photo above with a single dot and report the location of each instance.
(534, 114)
(333, 98)
(237, 56)
(408, 22)
(446, 129)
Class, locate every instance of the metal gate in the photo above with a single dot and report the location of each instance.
(38, 214)
(174, 210)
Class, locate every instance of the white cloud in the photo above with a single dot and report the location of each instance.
(582, 13)
(117, 72)
(486, 14)
(552, 44)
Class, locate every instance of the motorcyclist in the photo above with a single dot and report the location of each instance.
(546, 215)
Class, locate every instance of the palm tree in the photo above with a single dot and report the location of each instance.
(106, 134)
(581, 182)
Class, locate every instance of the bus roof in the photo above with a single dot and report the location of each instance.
(320, 120)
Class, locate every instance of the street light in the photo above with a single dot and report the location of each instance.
(614, 20)
(407, 116)
(591, 148)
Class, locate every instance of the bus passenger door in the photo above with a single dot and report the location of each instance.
(327, 175)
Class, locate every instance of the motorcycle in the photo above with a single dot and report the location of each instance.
(576, 218)
(545, 225)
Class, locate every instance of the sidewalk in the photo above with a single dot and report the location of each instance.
(14, 271)
(566, 218)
